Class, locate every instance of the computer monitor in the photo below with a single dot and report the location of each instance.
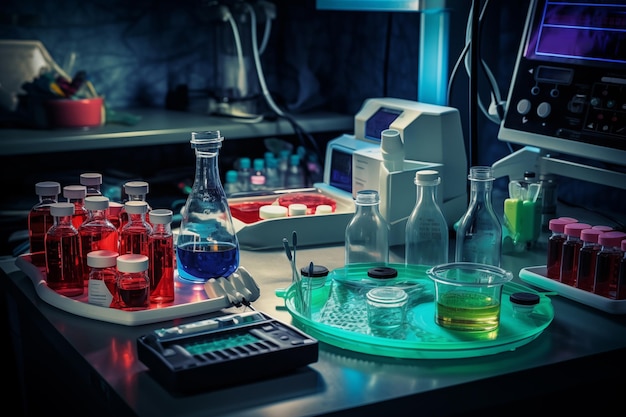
(568, 92)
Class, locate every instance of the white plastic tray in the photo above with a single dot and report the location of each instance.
(536, 275)
(189, 300)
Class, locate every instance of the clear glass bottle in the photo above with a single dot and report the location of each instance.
(40, 219)
(587, 258)
(231, 184)
(64, 261)
(133, 283)
(479, 234)
(161, 254)
(97, 232)
(257, 178)
(426, 236)
(367, 233)
(136, 191)
(607, 264)
(243, 173)
(102, 285)
(272, 175)
(93, 182)
(570, 252)
(76, 194)
(207, 245)
(294, 178)
(134, 234)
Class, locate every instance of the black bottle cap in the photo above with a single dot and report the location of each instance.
(318, 271)
(524, 298)
(382, 272)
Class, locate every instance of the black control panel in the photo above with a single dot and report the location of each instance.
(224, 351)
(586, 104)
(568, 92)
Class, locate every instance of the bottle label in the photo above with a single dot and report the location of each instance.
(98, 293)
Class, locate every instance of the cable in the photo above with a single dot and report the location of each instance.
(301, 133)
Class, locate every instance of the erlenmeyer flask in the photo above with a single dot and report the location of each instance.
(207, 246)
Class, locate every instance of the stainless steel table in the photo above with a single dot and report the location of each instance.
(76, 365)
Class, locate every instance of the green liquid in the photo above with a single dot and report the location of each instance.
(467, 311)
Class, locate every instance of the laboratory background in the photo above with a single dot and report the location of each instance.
(163, 66)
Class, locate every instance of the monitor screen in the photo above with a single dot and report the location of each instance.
(381, 120)
(568, 92)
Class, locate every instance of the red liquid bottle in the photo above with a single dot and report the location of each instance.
(134, 234)
(76, 194)
(40, 220)
(136, 191)
(97, 232)
(93, 182)
(64, 261)
(587, 259)
(607, 264)
(161, 254)
(555, 247)
(113, 215)
(621, 276)
(133, 284)
(571, 250)
(102, 286)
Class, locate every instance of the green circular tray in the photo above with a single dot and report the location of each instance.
(339, 318)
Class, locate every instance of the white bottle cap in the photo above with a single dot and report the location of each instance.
(136, 207)
(102, 258)
(48, 188)
(132, 263)
(272, 212)
(297, 209)
(323, 209)
(91, 178)
(161, 216)
(74, 191)
(96, 203)
(136, 187)
(62, 209)
(392, 150)
(427, 177)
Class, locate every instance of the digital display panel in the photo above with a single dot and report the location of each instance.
(341, 170)
(380, 121)
(585, 32)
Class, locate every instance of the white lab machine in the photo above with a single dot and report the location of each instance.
(433, 139)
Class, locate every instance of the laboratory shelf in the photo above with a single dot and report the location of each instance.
(158, 126)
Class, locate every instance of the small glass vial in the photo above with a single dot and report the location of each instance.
(555, 247)
(570, 252)
(244, 172)
(386, 309)
(426, 237)
(93, 182)
(134, 234)
(64, 261)
(76, 194)
(621, 276)
(231, 184)
(136, 191)
(133, 283)
(294, 177)
(479, 234)
(607, 264)
(587, 257)
(314, 283)
(102, 284)
(97, 232)
(40, 219)
(257, 177)
(161, 254)
(367, 233)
